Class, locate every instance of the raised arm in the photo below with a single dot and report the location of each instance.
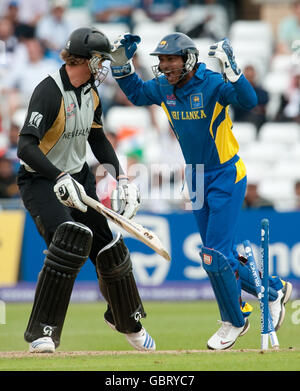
(236, 90)
(139, 92)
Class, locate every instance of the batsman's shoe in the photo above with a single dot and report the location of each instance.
(140, 340)
(277, 307)
(42, 345)
(226, 336)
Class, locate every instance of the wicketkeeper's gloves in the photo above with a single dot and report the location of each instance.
(224, 52)
(123, 51)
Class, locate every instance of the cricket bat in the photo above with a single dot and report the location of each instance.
(138, 231)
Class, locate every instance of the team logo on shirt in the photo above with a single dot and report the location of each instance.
(196, 101)
(35, 119)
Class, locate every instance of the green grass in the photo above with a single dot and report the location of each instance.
(179, 328)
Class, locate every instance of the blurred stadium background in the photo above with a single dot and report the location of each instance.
(265, 35)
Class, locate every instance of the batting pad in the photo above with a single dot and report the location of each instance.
(118, 286)
(67, 253)
(224, 285)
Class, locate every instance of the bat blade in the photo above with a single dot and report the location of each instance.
(141, 233)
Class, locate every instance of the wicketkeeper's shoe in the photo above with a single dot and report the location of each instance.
(42, 345)
(226, 336)
(140, 340)
(277, 307)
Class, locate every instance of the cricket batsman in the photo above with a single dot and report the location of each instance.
(196, 101)
(64, 114)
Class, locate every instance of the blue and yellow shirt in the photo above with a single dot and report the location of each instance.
(198, 114)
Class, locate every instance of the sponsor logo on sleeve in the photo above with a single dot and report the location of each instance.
(35, 119)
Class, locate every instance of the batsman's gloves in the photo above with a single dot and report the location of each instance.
(224, 52)
(123, 50)
(126, 199)
(69, 191)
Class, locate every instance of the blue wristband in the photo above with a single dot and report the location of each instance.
(121, 70)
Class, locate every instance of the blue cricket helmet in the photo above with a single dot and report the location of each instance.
(176, 43)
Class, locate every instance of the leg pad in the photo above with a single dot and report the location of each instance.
(224, 285)
(67, 253)
(118, 286)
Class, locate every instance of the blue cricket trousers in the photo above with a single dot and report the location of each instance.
(217, 198)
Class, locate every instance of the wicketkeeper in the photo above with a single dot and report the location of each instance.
(64, 113)
(196, 102)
